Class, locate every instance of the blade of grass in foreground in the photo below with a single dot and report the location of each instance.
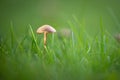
(12, 35)
(14, 39)
(102, 36)
(19, 45)
(33, 36)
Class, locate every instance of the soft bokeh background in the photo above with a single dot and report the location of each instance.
(57, 13)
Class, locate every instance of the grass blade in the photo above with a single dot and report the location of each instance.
(35, 40)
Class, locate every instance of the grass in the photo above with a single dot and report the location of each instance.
(80, 56)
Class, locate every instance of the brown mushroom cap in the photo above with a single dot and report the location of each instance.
(46, 28)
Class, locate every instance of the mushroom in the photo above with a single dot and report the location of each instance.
(65, 32)
(117, 37)
(45, 29)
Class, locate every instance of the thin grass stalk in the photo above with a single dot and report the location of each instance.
(34, 38)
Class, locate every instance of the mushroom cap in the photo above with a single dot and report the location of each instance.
(46, 28)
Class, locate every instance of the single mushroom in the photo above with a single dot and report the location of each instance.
(45, 29)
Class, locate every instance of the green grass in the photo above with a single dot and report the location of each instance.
(79, 57)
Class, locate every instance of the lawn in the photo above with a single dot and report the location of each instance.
(83, 47)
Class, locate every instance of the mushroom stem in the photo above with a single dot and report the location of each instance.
(45, 38)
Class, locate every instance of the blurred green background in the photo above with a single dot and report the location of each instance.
(57, 13)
